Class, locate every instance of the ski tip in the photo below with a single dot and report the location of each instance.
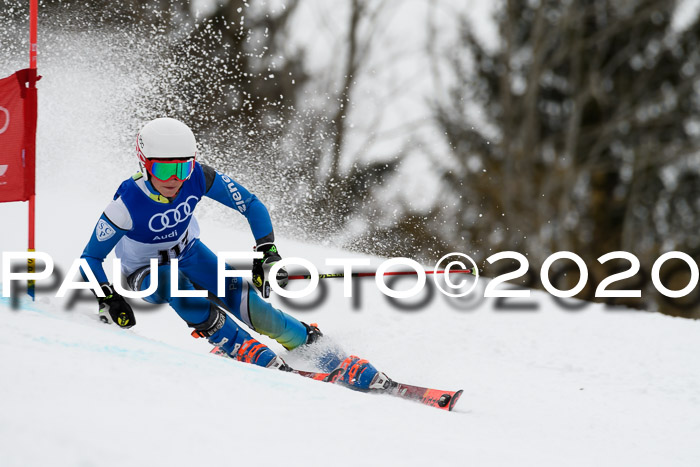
(453, 400)
(444, 401)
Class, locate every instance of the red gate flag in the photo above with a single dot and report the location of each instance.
(17, 136)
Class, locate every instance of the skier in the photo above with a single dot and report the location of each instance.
(151, 216)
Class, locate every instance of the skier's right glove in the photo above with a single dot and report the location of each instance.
(113, 308)
(261, 269)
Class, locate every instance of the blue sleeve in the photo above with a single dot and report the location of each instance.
(104, 237)
(230, 193)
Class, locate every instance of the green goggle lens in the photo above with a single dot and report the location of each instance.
(166, 170)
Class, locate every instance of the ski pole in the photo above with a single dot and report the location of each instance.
(372, 274)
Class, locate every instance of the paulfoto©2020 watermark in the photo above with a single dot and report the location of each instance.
(455, 284)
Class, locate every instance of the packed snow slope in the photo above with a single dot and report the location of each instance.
(544, 387)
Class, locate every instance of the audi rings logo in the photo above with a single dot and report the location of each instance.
(172, 217)
(4, 120)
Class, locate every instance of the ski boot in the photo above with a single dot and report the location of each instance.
(359, 374)
(320, 350)
(256, 353)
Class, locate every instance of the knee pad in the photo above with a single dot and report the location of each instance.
(211, 326)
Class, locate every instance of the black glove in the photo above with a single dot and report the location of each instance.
(116, 307)
(261, 269)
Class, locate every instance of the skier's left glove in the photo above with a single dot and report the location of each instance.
(261, 269)
(114, 306)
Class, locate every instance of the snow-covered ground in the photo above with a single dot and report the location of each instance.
(545, 387)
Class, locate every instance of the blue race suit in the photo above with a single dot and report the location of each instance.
(141, 224)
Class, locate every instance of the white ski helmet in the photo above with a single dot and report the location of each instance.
(165, 138)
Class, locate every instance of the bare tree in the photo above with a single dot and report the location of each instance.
(589, 112)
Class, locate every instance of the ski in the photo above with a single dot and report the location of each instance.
(325, 377)
(437, 398)
(318, 376)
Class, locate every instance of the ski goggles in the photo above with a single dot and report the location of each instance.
(164, 170)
